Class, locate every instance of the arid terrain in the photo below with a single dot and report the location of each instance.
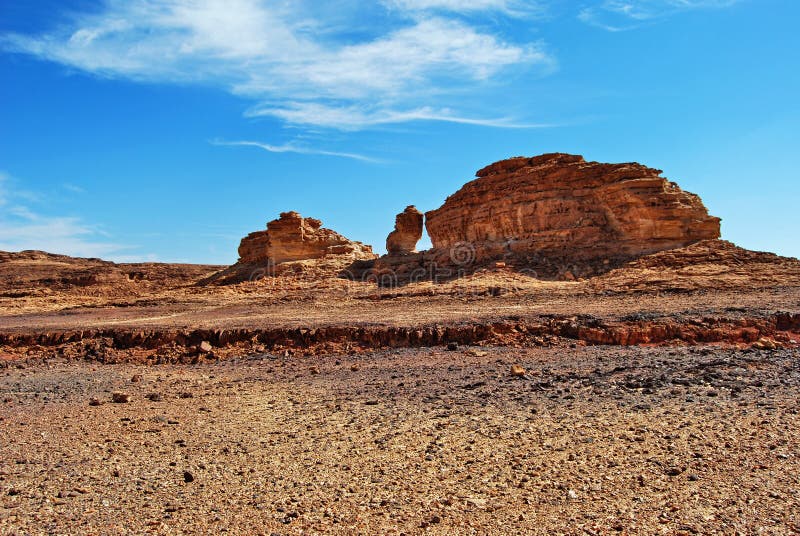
(476, 388)
(332, 406)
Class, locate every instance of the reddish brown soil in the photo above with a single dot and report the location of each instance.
(660, 397)
(593, 440)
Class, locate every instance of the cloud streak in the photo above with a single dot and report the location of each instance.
(516, 8)
(355, 117)
(293, 148)
(621, 15)
(22, 227)
(296, 56)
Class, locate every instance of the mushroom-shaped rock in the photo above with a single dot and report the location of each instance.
(407, 232)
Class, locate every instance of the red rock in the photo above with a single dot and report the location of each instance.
(407, 232)
(562, 206)
(294, 238)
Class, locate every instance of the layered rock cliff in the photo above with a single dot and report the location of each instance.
(294, 238)
(295, 245)
(559, 205)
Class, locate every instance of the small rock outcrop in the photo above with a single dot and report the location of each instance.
(407, 232)
(294, 238)
(560, 205)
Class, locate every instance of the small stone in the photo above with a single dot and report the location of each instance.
(517, 371)
(155, 397)
(572, 494)
(693, 478)
(767, 344)
(120, 398)
(314, 370)
(136, 378)
(354, 367)
(452, 346)
(185, 394)
(205, 347)
(188, 477)
(673, 471)
(475, 502)
(94, 401)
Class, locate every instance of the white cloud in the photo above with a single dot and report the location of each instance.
(510, 7)
(619, 15)
(353, 117)
(292, 148)
(24, 228)
(284, 56)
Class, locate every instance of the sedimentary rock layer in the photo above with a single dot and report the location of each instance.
(561, 205)
(112, 345)
(294, 238)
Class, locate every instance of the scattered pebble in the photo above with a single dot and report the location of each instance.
(517, 371)
(120, 398)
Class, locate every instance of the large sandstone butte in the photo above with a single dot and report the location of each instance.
(407, 232)
(295, 238)
(559, 205)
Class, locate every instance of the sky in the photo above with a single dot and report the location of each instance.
(166, 130)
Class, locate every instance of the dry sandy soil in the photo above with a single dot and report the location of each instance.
(592, 440)
(658, 398)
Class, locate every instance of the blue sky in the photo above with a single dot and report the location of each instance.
(168, 129)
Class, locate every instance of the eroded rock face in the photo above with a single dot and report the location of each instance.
(561, 205)
(407, 232)
(294, 238)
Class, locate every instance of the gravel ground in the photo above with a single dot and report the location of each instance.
(591, 440)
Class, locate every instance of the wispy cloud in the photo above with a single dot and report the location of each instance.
(293, 148)
(74, 188)
(23, 227)
(297, 55)
(511, 7)
(357, 117)
(620, 15)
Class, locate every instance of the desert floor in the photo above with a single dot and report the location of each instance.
(592, 440)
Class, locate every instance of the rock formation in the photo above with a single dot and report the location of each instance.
(559, 205)
(292, 245)
(294, 238)
(407, 232)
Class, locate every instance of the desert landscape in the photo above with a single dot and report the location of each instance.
(578, 353)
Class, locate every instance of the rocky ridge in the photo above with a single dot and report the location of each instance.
(560, 205)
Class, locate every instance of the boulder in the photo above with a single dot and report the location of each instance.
(407, 232)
